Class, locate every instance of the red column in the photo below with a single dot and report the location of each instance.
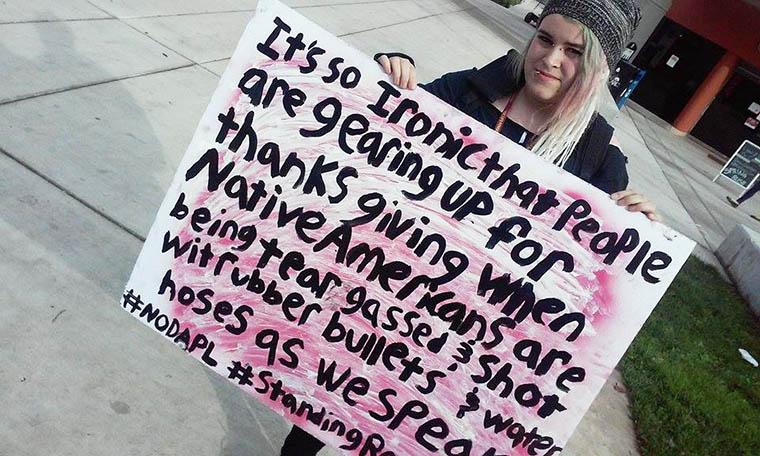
(706, 93)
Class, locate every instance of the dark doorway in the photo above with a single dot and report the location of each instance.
(677, 60)
(722, 126)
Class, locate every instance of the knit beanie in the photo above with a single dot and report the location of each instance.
(611, 21)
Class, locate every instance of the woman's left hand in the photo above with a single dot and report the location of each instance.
(636, 202)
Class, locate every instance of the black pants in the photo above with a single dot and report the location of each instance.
(750, 192)
(300, 443)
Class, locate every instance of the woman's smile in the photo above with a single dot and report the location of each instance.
(546, 77)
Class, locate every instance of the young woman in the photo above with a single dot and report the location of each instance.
(545, 100)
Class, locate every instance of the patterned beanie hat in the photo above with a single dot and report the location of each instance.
(611, 21)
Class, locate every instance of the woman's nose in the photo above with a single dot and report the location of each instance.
(553, 57)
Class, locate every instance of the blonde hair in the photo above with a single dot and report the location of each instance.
(578, 106)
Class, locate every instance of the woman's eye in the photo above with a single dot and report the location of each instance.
(544, 39)
(575, 52)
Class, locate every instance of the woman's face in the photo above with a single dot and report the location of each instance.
(553, 59)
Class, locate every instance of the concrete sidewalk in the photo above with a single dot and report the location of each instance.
(98, 102)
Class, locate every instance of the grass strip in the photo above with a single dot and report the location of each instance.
(691, 392)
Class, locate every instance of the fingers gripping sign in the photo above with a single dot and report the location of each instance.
(400, 68)
(636, 202)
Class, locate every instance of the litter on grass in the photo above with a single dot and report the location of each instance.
(747, 357)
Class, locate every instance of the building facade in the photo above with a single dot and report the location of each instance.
(702, 59)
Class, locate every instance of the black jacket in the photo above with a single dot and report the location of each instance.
(594, 159)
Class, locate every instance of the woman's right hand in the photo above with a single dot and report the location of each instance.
(400, 69)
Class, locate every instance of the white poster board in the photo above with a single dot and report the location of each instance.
(385, 271)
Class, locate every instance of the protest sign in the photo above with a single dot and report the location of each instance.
(383, 270)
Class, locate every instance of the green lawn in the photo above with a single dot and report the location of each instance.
(691, 392)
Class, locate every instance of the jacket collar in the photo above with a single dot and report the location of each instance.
(496, 80)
